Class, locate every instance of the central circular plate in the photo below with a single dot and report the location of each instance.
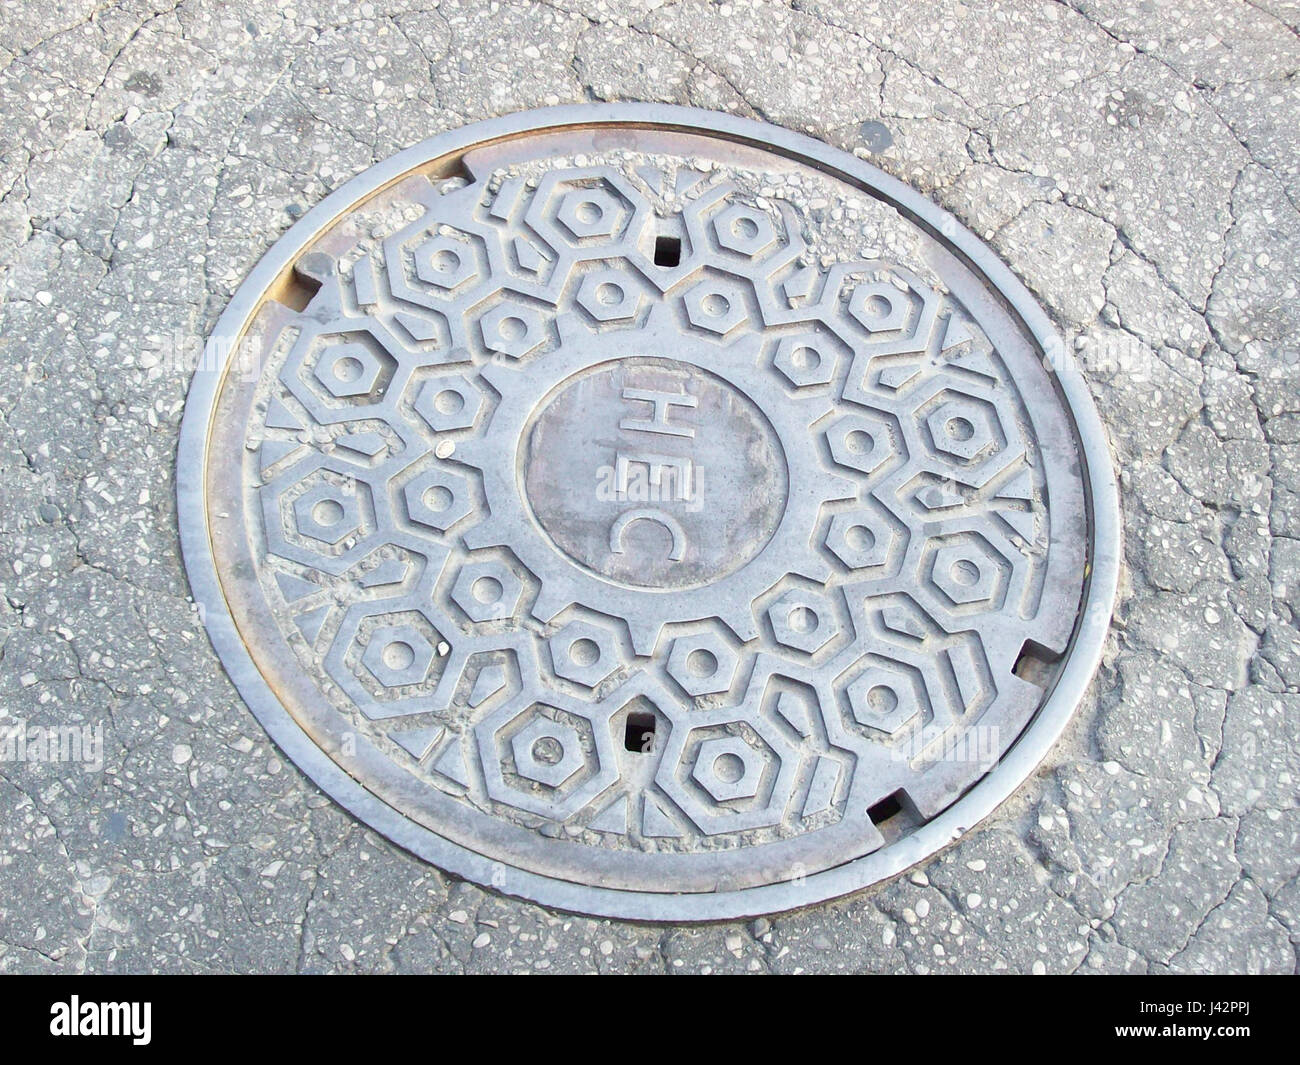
(647, 512)
(655, 438)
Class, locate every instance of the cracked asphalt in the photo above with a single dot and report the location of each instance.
(1135, 161)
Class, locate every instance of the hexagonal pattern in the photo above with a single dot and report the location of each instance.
(339, 367)
(446, 262)
(803, 620)
(806, 361)
(735, 774)
(547, 758)
(963, 427)
(547, 751)
(590, 212)
(438, 498)
(967, 571)
(716, 306)
(327, 512)
(702, 665)
(879, 306)
(448, 403)
(744, 230)
(317, 515)
(348, 369)
(728, 768)
(583, 653)
(487, 591)
(388, 662)
(512, 330)
(863, 442)
(609, 296)
(398, 655)
(887, 698)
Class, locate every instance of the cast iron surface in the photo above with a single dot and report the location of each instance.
(648, 512)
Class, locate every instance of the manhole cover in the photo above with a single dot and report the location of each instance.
(647, 512)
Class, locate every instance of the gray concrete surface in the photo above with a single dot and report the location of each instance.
(1135, 162)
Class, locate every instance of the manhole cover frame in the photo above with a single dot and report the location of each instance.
(1101, 500)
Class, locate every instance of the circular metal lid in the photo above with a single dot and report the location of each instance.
(648, 512)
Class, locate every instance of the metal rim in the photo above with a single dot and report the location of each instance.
(1020, 762)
